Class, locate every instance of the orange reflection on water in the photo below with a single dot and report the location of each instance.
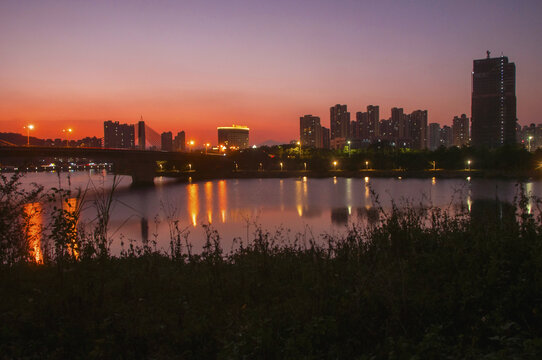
(71, 208)
(209, 201)
(193, 202)
(33, 230)
(222, 199)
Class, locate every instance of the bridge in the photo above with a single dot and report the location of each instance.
(141, 165)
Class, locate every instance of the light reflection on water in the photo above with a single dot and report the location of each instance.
(232, 206)
(33, 230)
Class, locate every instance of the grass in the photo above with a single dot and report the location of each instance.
(419, 283)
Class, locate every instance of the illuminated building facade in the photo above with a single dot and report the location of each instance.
(339, 122)
(310, 131)
(118, 136)
(233, 137)
(460, 130)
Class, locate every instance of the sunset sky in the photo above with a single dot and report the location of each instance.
(196, 65)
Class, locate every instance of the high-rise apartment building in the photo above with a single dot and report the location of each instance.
(118, 136)
(355, 131)
(339, 121)
(386, 130)
(446, 136)
(362, 119)
(434, 136)
(493, 102)
(310, 131)
(373, 122)
(326, 144)
(167, 141)
(179, 143)
(418, 129)
(398, 124)
(460, 130)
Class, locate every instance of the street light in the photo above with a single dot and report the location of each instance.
(281, 166)
(191, 144)
(28, 128)
(190, 167)
(299, 144)
(67, 132)
(261, 167)
(434, 164)
(366, 165)
(468, 164)
(305, 166)
(206, 146)
(348, 148)
(530, 138)
(335, 165)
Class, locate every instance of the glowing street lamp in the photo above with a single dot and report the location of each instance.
(191, 144)
(281, 166)
(28, 128)
(335, 165)
(305, 166)
(349, 147)
(468, 164)
(67, 131)
(206, 146)
(366, 165)
(261, 167)
(530, 138)
(190, 167)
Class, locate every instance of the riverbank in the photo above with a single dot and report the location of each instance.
(196, 175)
(414, 285)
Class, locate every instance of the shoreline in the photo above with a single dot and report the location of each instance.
(414, 174)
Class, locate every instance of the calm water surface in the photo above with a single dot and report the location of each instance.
(233, 207)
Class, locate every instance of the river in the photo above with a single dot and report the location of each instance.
(306, 207)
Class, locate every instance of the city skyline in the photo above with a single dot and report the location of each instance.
(197, 66)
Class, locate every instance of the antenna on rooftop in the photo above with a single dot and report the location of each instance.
(488, 53)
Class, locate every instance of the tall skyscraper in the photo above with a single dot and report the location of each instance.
(118, 136)
(418, 129)
(434, 136)
(167, 141)
(179, 143)
(339, 121)
(310, 131)
(141, 135)
(493, 102)
(460, 130)
(373, 122)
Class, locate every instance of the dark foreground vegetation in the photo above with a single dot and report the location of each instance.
(417, 283)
